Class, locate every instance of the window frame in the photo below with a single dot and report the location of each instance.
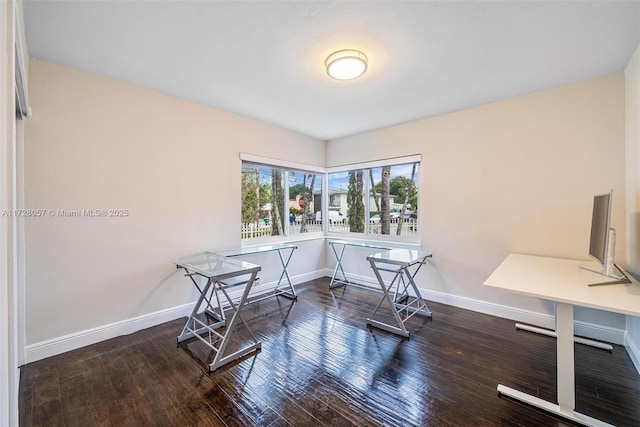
(286, 168)
(289, 166)
(367, 235)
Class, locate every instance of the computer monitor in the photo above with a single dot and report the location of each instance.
(602, 242)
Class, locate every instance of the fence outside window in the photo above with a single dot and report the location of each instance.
(251, 230)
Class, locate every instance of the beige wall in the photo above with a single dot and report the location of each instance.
(94, 143)
(632, 135)
(512, 176)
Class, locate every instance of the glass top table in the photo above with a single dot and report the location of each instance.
(215, 269)
(405, 257)
(339, 277)
(250, 250)
(216, 266)
(284, 286)
(400, 293)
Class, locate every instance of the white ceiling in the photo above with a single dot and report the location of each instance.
(265, 59)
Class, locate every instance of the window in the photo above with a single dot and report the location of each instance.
(385, 193)
(278, 201)
(305, 202)
(282, 198)
(346, 201)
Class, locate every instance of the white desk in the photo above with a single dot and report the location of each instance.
(215, 269)
(288, 290)
(402, 305)
(566, 284)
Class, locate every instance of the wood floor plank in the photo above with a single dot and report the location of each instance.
(156, 395)
(77, 407)
(47, 402)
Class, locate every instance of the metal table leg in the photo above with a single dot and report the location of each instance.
(403, 305)
(290, 292)
(336, 282)
(209, 334)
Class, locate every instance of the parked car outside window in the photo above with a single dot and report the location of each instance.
(334, 216)
(310, 217)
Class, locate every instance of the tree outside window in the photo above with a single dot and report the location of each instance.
(394, 190)
(392, 202)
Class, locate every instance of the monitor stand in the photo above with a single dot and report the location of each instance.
(609, 267)
(618, 279)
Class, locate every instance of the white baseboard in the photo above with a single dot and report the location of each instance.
(543, 320)
(59, 345)
(87, 337)
(633, 350)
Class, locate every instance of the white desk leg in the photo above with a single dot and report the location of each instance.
(549, 333)
(579, 340)
(566, 375)
(565, 357)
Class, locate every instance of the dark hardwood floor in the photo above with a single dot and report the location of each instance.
(321, 366)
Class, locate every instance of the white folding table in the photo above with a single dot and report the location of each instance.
(215, 269)
(567, 285)
(403, 305)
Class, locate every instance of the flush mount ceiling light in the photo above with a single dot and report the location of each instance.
(346, 64)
